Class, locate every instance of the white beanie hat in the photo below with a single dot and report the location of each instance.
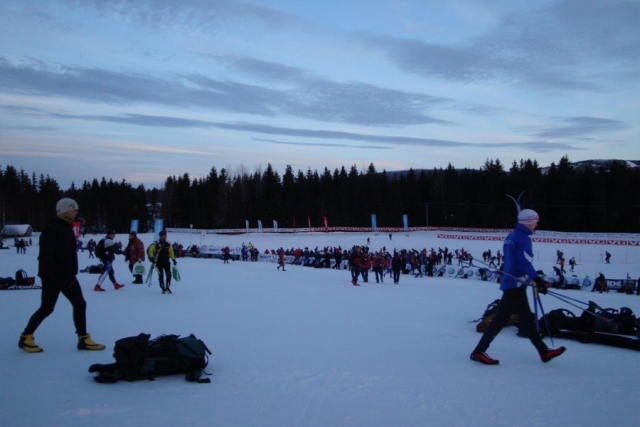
(65, 205)
(528, 216)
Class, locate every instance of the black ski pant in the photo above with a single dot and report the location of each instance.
(379, 274)
(51, 290)
(513, 301)
(164, 269)
(396, 275)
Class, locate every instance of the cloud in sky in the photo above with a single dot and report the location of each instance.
(199, 83)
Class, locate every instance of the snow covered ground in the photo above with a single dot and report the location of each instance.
(306, 348)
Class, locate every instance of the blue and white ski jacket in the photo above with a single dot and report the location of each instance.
(518, 254)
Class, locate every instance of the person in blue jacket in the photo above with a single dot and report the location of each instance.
(518, 272)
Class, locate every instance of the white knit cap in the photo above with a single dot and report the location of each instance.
(66, 205)
(528, 216)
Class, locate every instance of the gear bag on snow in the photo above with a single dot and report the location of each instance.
(608, 326)
(139, 357)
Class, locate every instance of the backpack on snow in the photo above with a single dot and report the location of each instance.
(138, 358)
(617, 328)
(23, 279)
(559, 320)
(100, 250)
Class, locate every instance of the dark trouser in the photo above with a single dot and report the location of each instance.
(513, 301)
(355, 273)
(365, 274)
(396, 276)
(164, 270)
(51, 289)
(379, 274)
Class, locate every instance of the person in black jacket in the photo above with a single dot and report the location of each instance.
(160, 254)
(396, 267)
(57, 268)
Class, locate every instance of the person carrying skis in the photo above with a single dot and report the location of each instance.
(517, 272)
(161, 255)
(134, 253)
(57, 268)
(107, 255)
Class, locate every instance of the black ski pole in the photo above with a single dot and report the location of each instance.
(537, 300)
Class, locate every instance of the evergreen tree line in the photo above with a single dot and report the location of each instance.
(602, 199)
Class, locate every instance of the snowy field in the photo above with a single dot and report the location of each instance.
(306, 348)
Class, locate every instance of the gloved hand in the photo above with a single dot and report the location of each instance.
(541, 285)
(174, 262)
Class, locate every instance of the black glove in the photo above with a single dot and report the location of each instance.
(541, 285)
(174, 262)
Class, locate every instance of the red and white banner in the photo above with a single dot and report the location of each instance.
(76, 228)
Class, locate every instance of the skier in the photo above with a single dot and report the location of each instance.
(607, 257)
(161, 254)
(108, 255)
(57, 268)
(134, 253)
(518, 270)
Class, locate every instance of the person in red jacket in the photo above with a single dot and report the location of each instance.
(134, 253)
(281, 259)
(365, 265)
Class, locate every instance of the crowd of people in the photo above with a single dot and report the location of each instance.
(21, 245)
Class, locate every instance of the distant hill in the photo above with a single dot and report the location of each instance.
(596, 163)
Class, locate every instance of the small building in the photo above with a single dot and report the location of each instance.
(16, 230)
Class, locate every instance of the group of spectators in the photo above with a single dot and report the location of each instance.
(21, 245)
(361, 261)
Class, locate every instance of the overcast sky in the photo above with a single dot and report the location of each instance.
(143, 89)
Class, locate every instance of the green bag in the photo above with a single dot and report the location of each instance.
(139, 268)
(175, 273)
